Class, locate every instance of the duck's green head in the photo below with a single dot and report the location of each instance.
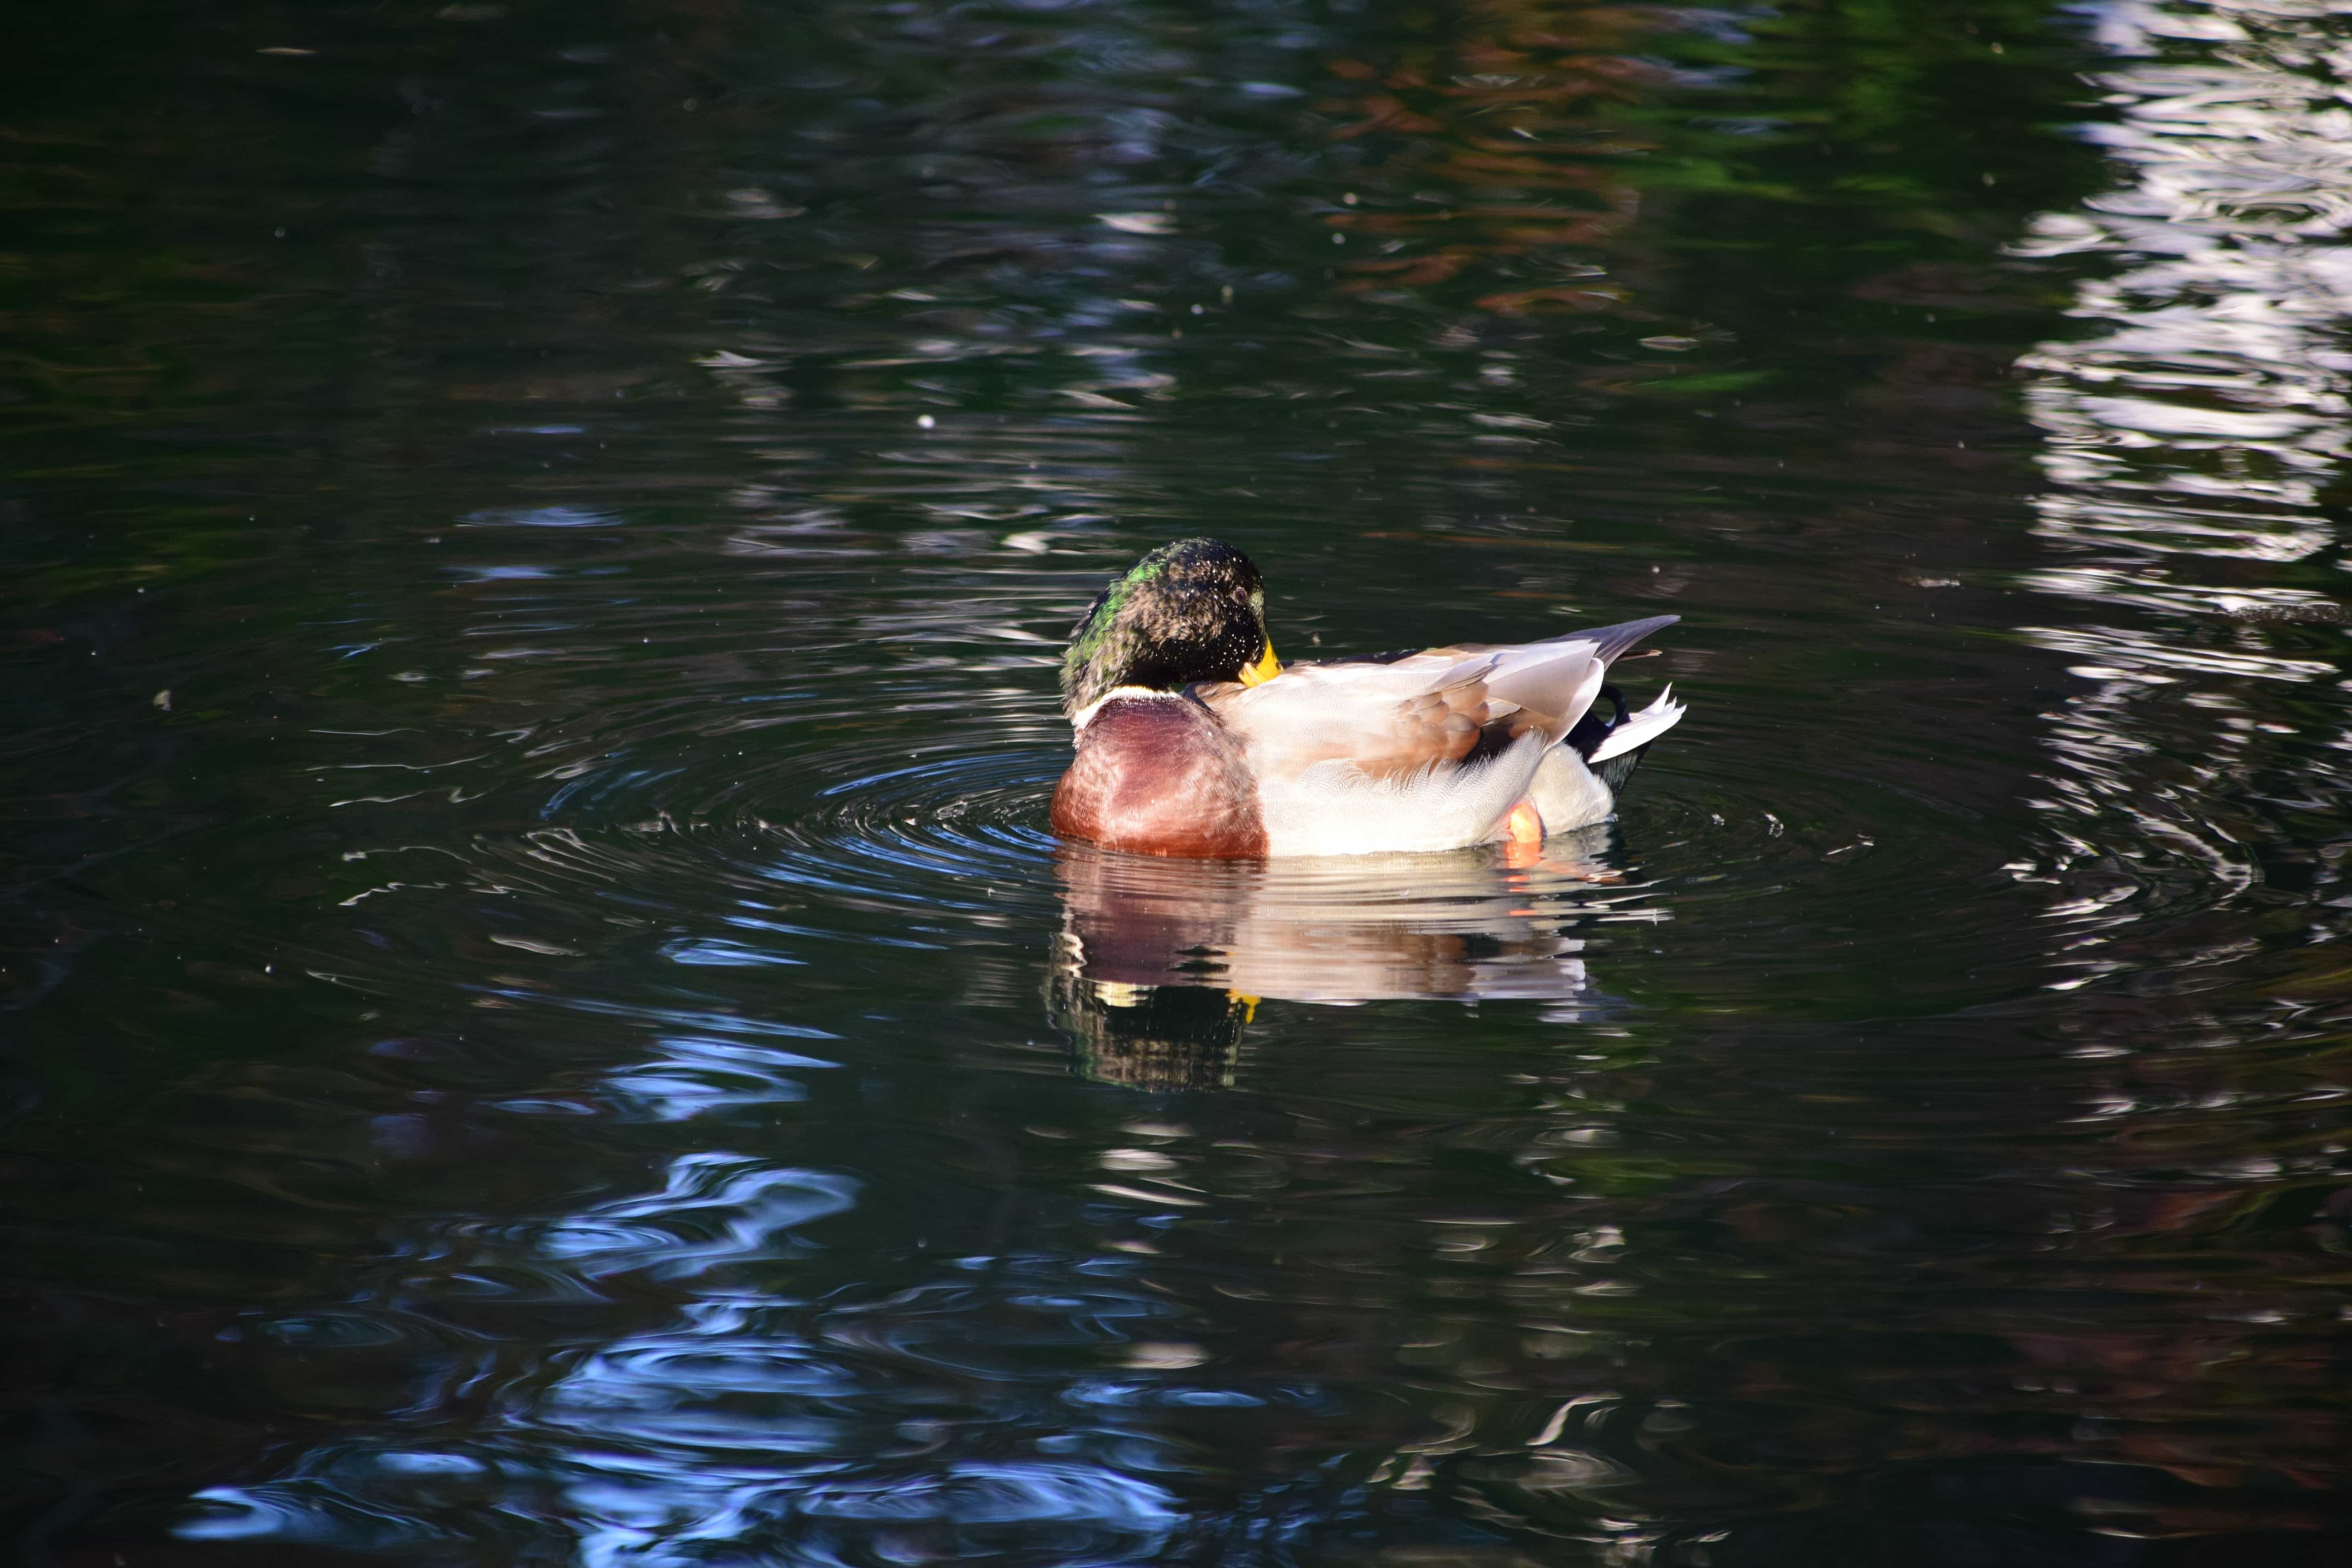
(1190, 611)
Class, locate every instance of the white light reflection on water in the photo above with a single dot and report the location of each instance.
(2193, 436)
(2208, 415)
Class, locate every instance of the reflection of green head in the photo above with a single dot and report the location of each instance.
(1163, 1038)
(1192, 611)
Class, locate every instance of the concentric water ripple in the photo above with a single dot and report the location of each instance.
(920, 824)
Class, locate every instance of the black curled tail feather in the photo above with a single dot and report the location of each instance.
(1592, 729)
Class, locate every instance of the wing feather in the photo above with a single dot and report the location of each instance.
(1435, 746)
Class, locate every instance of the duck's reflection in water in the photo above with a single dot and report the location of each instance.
(1161, 964)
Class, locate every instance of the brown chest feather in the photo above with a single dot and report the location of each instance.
(1160, 777)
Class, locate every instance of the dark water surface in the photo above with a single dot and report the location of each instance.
(544, 1025)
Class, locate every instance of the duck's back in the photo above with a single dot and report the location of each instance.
(1160, 775)
(1400, 755)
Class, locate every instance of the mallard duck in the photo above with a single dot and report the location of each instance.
(1193, 740)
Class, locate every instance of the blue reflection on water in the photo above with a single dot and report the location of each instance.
(723, 1434)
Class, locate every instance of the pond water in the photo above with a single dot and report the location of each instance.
(544, 1025)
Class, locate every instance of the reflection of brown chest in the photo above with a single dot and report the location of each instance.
(1160, 775)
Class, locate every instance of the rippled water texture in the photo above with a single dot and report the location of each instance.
(543, 1024)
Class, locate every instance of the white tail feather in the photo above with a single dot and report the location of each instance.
(1641, 729)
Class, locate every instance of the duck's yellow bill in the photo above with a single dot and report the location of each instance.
(1264, 669)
